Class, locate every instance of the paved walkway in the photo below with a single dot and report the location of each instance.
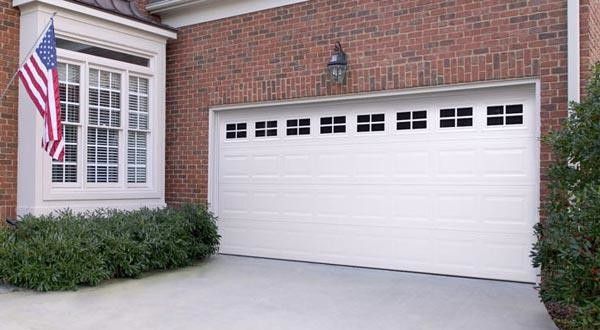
(232, 293)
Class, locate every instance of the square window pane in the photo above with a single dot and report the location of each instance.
(419, 114)
(326, 121)
(304, 130)
(363, 118)
(446, 123)
(143, 85)
(363, 128)
(62, 71)
(93, 78)
(260, 133)
(260, 124)
(403, 116)
(272, 124)
(73, 94)
(292, 122)
(72, 113)
(514, 120)
(464, 112)
(495, 110)
(378, 117)
(339, 129)
(326, 129)
(339, 120)
(304, 122)
(493, 121)
(464, 122)
(515, 108)
(378, 127)
(292, 131)
(420, 124)
(447, 113)
(403, 125)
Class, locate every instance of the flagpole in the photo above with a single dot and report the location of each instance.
(26, 56)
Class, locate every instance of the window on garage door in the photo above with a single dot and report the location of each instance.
(370, 122)
(407, 120)
(298, 126)
(456, 117)
(500, 115)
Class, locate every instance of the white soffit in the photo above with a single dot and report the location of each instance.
(178, 13)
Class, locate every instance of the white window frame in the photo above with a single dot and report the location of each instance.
(36, 194)
(87, 62)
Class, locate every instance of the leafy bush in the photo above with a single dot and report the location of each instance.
(568, 247)
(67, 250)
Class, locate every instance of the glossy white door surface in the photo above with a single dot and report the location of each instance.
(448, 200)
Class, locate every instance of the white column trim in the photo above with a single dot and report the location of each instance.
(574, 47)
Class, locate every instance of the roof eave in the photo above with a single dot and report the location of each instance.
(158, 7)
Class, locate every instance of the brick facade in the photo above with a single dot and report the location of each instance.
(589, 37)
(9, 57)
(281, 54)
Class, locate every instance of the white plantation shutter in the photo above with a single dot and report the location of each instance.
(137, 137)
(104, 121)
(69, 85)
(97, 141)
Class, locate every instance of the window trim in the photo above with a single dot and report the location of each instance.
(266, 129)
(370, 123)
(411, 121)
(58, 190)
(333, 124)
(298, 127)
(504, 115)
(473, 117)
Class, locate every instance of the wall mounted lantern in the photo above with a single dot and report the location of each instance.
(338, 66)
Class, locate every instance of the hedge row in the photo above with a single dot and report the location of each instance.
(68, 250)
(568, 246)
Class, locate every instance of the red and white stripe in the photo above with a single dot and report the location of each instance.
(43, 89)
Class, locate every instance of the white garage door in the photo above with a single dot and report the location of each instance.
(442, 183)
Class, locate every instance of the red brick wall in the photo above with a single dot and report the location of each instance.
(594, 31)
(589, 38)
(281, 54)
(9, 57)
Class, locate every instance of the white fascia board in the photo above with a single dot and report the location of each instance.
(573, 46)
(71, 6)
(178, 13)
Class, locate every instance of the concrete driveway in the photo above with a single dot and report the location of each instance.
(233, 293)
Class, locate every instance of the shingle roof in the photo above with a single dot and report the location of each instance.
(124, 8)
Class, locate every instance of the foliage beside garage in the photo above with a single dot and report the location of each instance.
(568, 247)
(68, 250)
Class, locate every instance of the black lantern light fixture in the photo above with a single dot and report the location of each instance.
(338, 66)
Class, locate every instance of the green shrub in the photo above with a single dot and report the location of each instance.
(67, 250)
(568, 247)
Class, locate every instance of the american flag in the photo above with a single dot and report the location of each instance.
(39, 75)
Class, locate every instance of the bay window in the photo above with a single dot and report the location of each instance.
(106, 113)
(112, 85)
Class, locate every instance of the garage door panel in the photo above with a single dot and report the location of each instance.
(457, 207)
(457, 200)
(465, 254)
(410, 165)
(265, 167)
(433, 207)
